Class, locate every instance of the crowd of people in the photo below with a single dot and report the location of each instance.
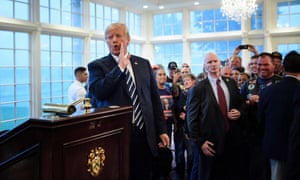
(227, 123)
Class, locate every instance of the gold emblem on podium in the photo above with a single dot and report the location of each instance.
(96, 160)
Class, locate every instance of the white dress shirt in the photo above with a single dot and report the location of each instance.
(76, 91)
(213, 83)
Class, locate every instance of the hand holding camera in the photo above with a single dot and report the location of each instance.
(244, 46)
(248, 47)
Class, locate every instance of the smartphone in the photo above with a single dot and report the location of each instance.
(245, 46)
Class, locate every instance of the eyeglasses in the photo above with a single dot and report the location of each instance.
(185, 66)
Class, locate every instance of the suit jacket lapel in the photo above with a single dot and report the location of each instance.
(136, 70)
(210, 92)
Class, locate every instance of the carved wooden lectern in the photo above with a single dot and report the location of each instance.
(90, 146)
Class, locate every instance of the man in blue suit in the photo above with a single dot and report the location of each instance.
(275, 112)
(108, 86)
(216, 132)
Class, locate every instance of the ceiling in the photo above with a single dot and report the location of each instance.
(153, 5)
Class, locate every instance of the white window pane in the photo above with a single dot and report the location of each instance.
(56, 74)
(92, 9)
(45, 58)
(56, 43)
(283, 21)
(77, 20)
(67, 58)
(295, 20)
(22, 111)
(282, 8)
(66, 5)
(7, 112)
(221, 26)
(56, 89)
(44, 15)
(6, 8)
(68, 74)
(55, 16)
(56, 59)
(22, 58)
(7, 76)
(66, 19)
(45, 74)
(44, 3)
(55, 4)
(21, 11)
(23, 40)
(295, 7)
(7, 58)
(6, 39)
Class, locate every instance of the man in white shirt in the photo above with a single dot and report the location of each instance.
(77, 90)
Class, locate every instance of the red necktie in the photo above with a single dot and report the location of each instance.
(222, 104)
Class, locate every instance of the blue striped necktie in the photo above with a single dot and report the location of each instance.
(137, 110)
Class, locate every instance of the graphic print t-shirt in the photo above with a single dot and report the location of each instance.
(167, 103)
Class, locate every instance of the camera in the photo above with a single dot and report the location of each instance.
(245, 46)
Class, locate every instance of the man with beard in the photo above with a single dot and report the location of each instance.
(256, 163)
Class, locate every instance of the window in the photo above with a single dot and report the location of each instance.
(167, 24)
(286, 48)
(211, 20)
(259, 48)
(64, 12)
(15, 100)
(18, 9)
(257, 18)
(288, 14)
(164, 53)
(135, 49)
(59, 56)
(223, 49)
(101, 16)
(133, 22)
(98, 49)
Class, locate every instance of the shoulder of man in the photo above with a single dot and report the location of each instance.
(101, 59)
(276, 78)
(139, 58)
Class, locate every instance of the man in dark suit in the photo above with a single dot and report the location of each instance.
(275, 112)
(108, 84)
(216, 132)
(293, 163)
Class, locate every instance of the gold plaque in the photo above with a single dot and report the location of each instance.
(96, 160)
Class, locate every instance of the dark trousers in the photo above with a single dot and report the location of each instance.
(195, 165)
(180, 147)
(211, 168)
(257, 165)
(229, 165)
(140, 155)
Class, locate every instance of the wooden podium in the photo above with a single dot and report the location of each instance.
(89, 146)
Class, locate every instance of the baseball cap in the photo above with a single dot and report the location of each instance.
(277, 54)
(172, 65)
